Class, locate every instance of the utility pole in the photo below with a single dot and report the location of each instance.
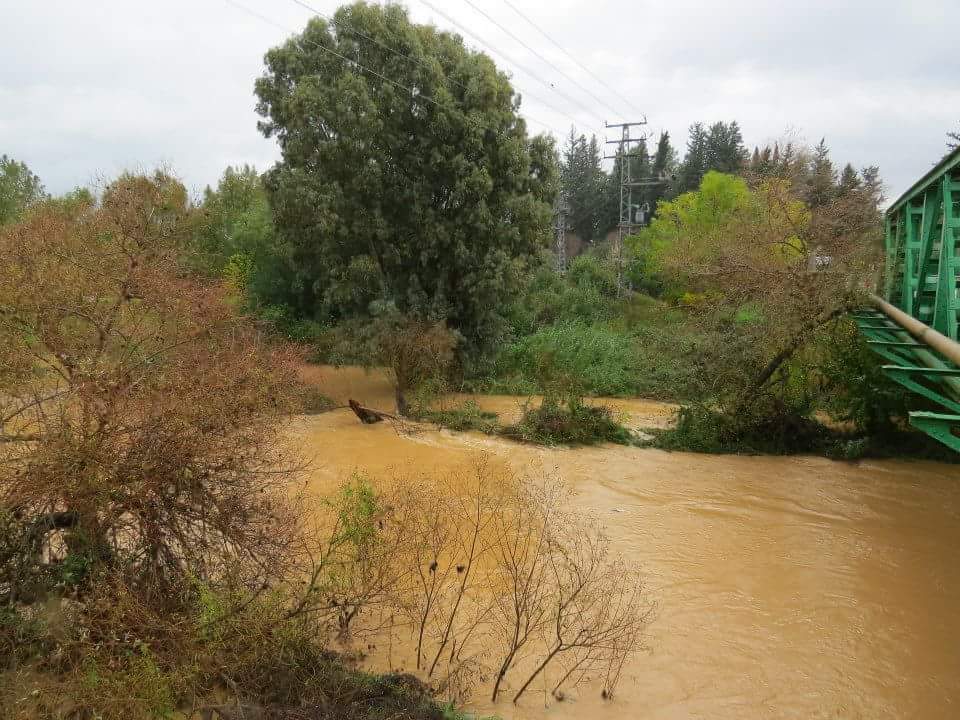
(561, 210)
(631, 216)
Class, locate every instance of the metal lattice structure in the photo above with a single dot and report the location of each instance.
(628, 210)
(923, 251)
(915, 325)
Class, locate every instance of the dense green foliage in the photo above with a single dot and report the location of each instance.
(19, 188)
(431, 203)
(236, 227)
(718, 148)
(582, 180)
(568, 422)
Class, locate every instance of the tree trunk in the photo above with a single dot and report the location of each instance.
(402, 407)
(786, 353)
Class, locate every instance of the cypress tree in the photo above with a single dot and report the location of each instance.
(849, 180)
(822, 183)
(725, 149)
(582, 183)
(663, 167)
(695, 163)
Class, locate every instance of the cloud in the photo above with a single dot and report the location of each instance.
(90, 89)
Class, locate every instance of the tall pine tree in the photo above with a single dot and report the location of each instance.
(821, 185)
(662, 170)
(726, 152)
(582, 182)
(849, 181)
(695, 163)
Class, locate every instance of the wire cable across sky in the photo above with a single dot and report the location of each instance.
(352, 62)
(572, 57)
(345, 28)
(538, 54)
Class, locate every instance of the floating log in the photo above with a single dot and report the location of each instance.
(366, 415)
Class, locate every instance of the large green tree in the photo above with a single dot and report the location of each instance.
(407, 177)
(19, 188)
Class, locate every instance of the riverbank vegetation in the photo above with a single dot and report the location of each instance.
(730, 300)
(158, 554)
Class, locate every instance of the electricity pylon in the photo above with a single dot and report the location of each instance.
(632, 216)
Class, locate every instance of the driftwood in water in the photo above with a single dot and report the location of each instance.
(366, 415)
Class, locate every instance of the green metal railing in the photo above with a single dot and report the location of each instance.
(914, 326)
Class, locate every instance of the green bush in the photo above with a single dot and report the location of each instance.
(765, 432)
(601, 358)
(591, 271)
(854, 387)
(606, 359)
(568, 423)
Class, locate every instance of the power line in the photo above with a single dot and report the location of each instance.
(416, 61)
(411, 91)
(334, 52)
(358, 33)
(572, 57)
(522, 42)
(506, 57)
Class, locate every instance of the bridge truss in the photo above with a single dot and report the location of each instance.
(914, 326)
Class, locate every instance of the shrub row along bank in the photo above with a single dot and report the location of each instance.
(552, 422)
(149, 520)
(705, 430)
(111, 654)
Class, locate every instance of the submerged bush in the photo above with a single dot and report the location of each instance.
(706, 430)
(568, 423)
(462, 418)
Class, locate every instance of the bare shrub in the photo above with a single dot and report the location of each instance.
(500, 562)
(414, 351)
(361, 562)
(595, 604)
(138, 414)
(563, 596)
(525, 538)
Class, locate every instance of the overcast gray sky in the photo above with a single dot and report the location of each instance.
(88, 89)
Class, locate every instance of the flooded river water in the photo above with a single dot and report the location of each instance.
(786, 587)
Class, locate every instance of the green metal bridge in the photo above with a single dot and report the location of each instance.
(914, 326)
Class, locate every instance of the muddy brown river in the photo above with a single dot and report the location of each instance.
(786, 587)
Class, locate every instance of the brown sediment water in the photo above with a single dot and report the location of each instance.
(786, 587)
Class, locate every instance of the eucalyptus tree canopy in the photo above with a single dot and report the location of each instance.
(407, 179)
